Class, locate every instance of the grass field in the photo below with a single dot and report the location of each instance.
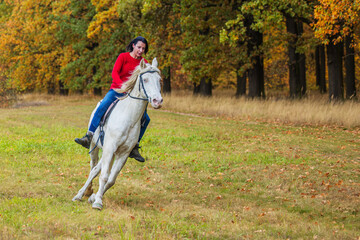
(206, 177)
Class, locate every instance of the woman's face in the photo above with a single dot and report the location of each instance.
(139, 49)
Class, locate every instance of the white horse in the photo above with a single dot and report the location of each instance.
(122, 129)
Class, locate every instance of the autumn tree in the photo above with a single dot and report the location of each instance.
(7, 94)
(335, 21)
(109, 31)
(203, 55)
(256, 71)
(68, 45)
(246, 29)
(94, 39)
(157, 21)
(161, 21)
(28, 45)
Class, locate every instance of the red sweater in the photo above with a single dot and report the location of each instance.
(124, 66)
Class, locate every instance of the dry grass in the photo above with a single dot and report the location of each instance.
(313, 110)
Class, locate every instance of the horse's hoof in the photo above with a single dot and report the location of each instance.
(97, 206)
(91, 199)
(76, 198)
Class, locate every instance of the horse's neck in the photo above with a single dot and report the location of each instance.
(136, 91)
(135, 107)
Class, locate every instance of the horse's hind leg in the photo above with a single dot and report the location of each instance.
(93, 173)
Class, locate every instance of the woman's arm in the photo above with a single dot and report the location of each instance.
(117, 69)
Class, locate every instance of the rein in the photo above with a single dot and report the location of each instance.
(142, 85)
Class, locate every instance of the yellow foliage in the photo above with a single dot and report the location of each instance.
(102, 23)
(28, 43)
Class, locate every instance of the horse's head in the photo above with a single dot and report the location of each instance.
(144, 84)
(150, 82)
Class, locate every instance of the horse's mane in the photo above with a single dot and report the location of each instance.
(129, 84)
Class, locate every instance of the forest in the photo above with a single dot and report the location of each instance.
(251, 46)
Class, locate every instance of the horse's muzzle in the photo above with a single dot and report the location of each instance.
(156, 103)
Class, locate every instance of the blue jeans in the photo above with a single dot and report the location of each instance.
(109, 98)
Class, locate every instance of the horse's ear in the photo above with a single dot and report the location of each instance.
(142, 64)
(154, 63)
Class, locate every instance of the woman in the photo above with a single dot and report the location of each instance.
(123, 68)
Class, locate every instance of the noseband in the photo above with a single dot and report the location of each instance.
(141, 85)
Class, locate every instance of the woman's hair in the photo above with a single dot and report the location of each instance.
(130, 48)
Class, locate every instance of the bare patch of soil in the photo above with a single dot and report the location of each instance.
(30, 104)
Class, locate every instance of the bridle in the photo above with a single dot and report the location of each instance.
(141, 85)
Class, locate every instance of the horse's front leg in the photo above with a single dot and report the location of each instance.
(105, 167)
(115, 170)
(119, 163)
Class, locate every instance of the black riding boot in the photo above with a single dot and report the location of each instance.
(135, 154)
(85, 140)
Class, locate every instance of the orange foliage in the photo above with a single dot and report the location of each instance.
(335, 19)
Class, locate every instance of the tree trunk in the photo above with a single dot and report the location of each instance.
(320, 68)
(196, 89)
(62, 90)
(350, 68)
(79, 91)
(205, 87)
(97, 91)
(256, 79)
(256, 73)
(240, 84)
(51, 89)
(297, 66)
(301, 61)
(302, 74)
(335, 72)
(293, 73)
(166, 83)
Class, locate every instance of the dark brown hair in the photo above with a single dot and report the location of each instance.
(130, 48)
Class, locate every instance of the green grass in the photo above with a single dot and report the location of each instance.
(204, 178)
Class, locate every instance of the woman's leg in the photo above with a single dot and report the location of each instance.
(145, 120)
(135, 152)
(109, 98)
